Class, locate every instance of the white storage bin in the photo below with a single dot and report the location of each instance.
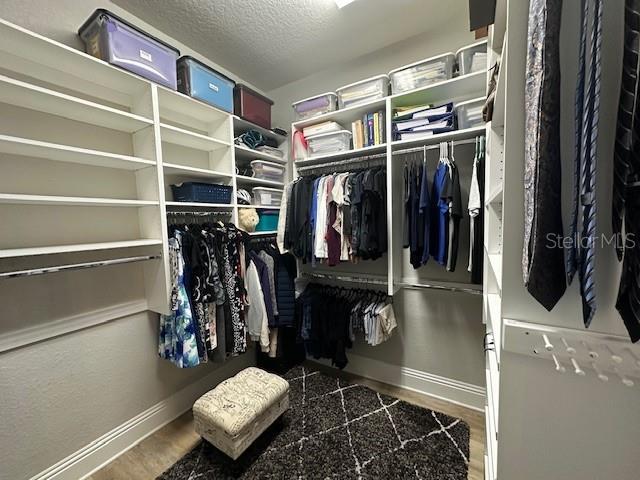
(314, 106)
(363, 91)
(269, 197)
(472, 58)
(274, 152)
(328, 143)
(268, 170)
(470, 113)
(324, 127)
(422, 73)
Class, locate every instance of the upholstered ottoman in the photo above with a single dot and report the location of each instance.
(236, 412)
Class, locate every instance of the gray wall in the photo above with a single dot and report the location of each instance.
(59, 395)
(438, 332)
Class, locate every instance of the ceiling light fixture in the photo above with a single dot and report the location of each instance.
(343, 3)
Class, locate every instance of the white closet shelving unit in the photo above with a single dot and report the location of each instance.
(457, 89)
(244, 156)
(121, 142)
(493, 236)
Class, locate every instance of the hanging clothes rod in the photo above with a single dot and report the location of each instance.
(434, 286)
(345, 278)
(379, 156)
(468, 141)
(77, 266)
(197, 214)
(349, 161)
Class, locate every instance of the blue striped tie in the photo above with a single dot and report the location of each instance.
(588, 152)
(572, 255)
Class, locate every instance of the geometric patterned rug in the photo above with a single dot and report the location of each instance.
(334, 429)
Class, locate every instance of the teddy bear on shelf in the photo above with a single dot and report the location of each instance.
(248, 219)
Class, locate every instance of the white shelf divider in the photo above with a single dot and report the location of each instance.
(244, 180)
(440, 137)
(455, 89)
(344, 116)
(199, 205)
(358, 152)
(185, 138)
(33, 97)
(65, 153)
(85, 247)
(247, 154)
(55, 200)
(175, 169)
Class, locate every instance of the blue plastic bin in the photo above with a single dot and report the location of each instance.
(203, 83)
(268, 221)
(201, 192)
(120, 43)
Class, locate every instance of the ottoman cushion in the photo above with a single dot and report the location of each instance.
(238, 410)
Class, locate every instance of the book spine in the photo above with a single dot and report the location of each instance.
(370, 130)
(382, 126)
(365, 131)
(376, 129)
(354, 134)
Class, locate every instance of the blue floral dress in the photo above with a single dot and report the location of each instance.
(177, 342)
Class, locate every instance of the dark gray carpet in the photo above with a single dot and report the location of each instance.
(338, 430)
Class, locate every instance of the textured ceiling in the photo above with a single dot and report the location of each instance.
(273, 42)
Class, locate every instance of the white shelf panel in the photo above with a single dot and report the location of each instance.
(487, 471)
(240, 125)
(36, 56)
(257, 234)
(497, 120)
(186, 138)
(25, 95)
(20, 199)
(358, 152)
(493, 388)
(257, 181)
(439, 137)
(247, 154)
(175, 169)
(86, 247)
(495, 319)
(346, 115)
(499, 25)
(495, 196)
(260, 207)
(65, 153)
(495, 262)
(199, 204)
(187, 106)
(467, 86)
(492, 445)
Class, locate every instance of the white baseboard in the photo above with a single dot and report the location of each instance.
(454, 391)
(103, 450)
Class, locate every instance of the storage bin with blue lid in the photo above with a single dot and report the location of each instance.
(268, 220)
(116, 41)
(202, 192)
(203, 83)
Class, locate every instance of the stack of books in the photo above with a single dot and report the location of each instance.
(413, 123)
(369, 131)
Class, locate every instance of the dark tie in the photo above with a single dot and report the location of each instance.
(572, 255)
(543, 265)
(581, 254)
(626, 191)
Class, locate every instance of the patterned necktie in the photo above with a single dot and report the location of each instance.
(626, 198)
(572, 251)
(587, 135)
